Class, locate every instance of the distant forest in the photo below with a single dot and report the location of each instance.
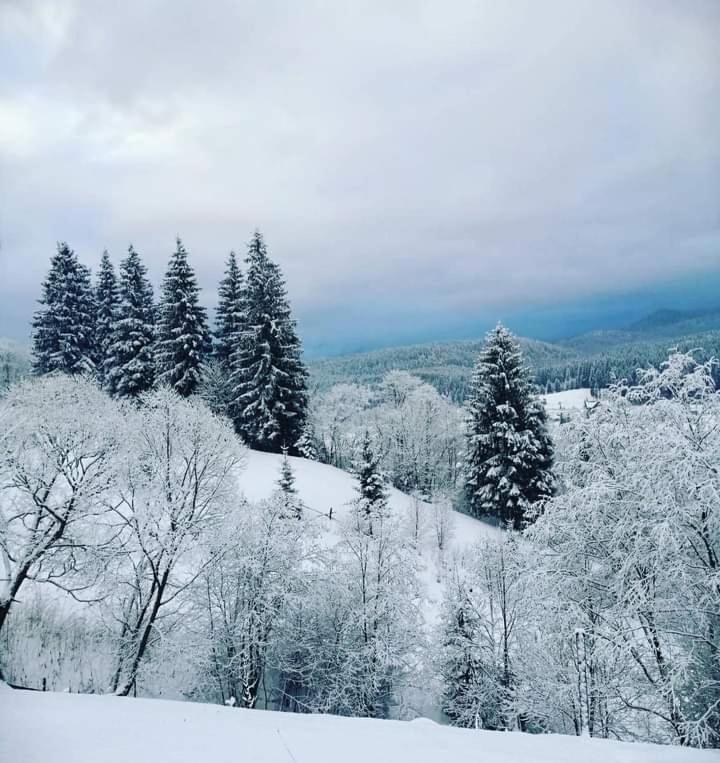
(593, 360)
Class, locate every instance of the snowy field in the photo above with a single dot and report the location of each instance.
(80, 728)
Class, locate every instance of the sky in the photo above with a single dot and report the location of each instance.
(418, 169)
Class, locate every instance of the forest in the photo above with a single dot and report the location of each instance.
(491, 567)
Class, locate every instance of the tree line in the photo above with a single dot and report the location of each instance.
(250, 365)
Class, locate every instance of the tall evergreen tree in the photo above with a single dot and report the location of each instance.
(64, 327)
(372, 498)
(509, 451)
(230, 315)
(106, 299)
(183, 338)
(129, 363)
(269, 379)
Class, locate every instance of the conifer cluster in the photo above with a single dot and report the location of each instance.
(116, 332)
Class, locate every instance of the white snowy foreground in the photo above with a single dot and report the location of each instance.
(37, 727)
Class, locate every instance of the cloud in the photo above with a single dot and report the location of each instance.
(410, 163)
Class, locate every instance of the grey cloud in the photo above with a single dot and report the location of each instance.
(451, 158)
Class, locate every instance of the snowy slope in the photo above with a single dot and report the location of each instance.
(41, 727)
(569, 399)
(322, 487)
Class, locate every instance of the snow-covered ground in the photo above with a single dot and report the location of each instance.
(570, 399)
(322, 487)
(37, 727)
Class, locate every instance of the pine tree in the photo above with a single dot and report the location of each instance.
(269, 380)
(129, 365)
(183, 338)
(509, 458)
(372, 499)
(292, 507)
(106, 299)
(230, 315)
(460, 662)
(64, 327)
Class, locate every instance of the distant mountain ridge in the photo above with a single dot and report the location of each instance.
(592, 359)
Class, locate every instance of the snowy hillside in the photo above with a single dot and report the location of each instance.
(322, 487)
(91, 729)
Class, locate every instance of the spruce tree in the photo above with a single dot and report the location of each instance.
(292, 507)
(269, 380)
(182, 338)
(106, 299)
(64, 327)
(509, 451)
(230, 315)
(372, 498)
(129, 363)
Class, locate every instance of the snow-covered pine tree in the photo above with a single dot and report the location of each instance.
(269, 379)
(129, 364)
(64, 327)
(182, 336)
(291, 505)
(307, 444)
(106, 299)
(372, 499)
(230, 315)
(459, 663)
(509, 451)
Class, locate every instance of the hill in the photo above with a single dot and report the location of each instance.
(446, 365)
(74, 728)
(593, 359)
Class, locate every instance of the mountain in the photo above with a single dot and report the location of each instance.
(594, 359)
(447, 365)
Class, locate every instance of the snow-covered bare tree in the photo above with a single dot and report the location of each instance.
(129, 362)
(487, 615)
(633, 541)
(350, 641)
(64, 326)
(176, 484)
(55, 470)
(183, 340)
(269, 379)
(509, 451)
(241, 598)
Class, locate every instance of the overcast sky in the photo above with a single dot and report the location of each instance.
(418, 169)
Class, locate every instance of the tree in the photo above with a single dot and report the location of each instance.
(176, 485)
(487, 617)
(106, 298)
(64, 327)
(230, 315)
(633, 542)
(269, 379)
(372, 498)
(129, 365)
(182, 338)
(243, 597)
(288, 497)
(509, 451)
(55, 470)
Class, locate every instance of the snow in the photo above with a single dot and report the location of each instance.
(322, 487)
(567, 400)
(39, 727)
